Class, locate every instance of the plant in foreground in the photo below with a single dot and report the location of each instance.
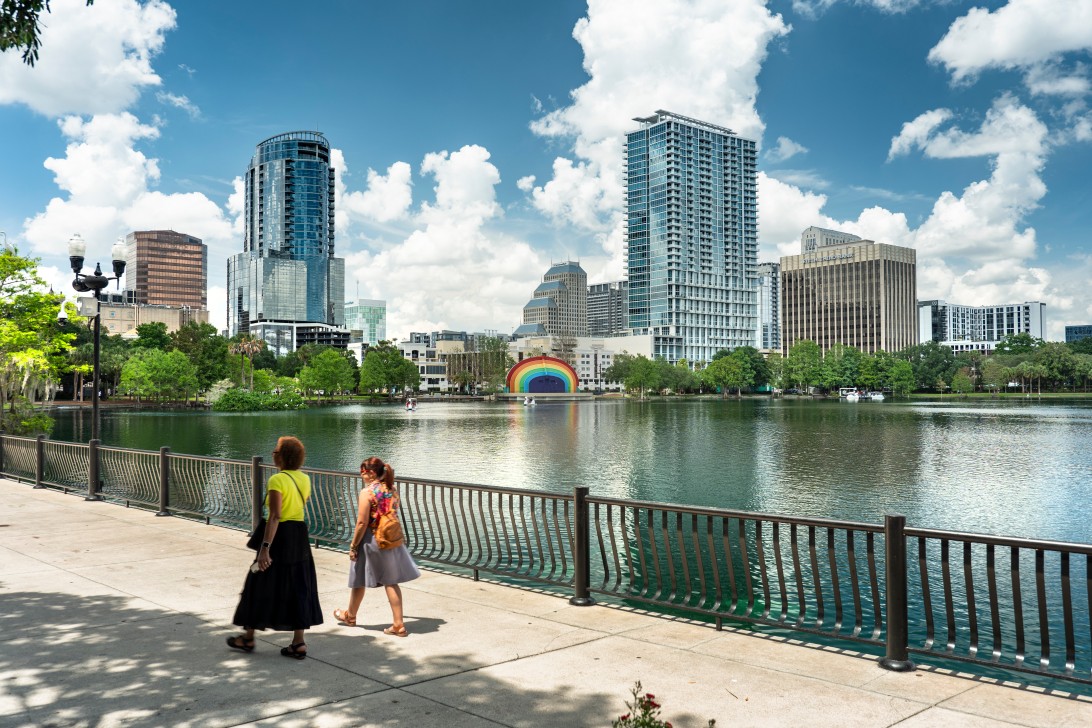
(644, 712)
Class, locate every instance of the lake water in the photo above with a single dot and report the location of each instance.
(997, 467)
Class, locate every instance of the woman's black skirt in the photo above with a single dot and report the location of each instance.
(284, 597)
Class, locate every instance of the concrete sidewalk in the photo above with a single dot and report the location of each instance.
(114, 617)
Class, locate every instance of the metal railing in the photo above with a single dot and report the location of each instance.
(1016, 604)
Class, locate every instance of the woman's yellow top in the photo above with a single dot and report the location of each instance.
(293, 494)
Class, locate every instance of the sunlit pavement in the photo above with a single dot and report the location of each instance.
(113, 616)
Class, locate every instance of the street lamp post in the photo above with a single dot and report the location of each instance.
(94, 282)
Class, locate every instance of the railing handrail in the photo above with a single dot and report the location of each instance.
(1072, 547)
(746, 515)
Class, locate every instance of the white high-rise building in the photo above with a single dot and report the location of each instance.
(691, 236)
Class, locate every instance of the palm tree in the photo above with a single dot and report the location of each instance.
(246, 347)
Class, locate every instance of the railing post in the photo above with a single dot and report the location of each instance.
(93, 471)
(255, 492)
(164, 482)
(581, 550)
(39, 461)
(1, 455)
(894, 538)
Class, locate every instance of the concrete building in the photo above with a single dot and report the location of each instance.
(1076, 333)
(978, 328)
(166, 268)
(691, 236)
(366, 320)
(768, 335)
(120, 316)
(607, 308)
(287, 287)
(559, 306)
(845, 290)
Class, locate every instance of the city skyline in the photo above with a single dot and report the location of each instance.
(476, 146)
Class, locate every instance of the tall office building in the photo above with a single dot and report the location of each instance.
(691, 237)
(768, 336)
(559, 306)
(166, 268)
(287, 287)
(607, 308)
(978, 328)
(845, 290)
(369, 317)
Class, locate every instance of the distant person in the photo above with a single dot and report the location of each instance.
(281, 590)
(371, 566)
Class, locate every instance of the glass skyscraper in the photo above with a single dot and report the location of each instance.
(692, 237)
(287, 273)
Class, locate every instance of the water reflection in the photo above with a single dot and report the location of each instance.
(1018, 469)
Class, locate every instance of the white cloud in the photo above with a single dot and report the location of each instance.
(1049, 79)
(915, 132)
(808, 178)
(816, 7)
(700, 58)
(786, 149)
(453, 270)
(179, 102)
(94, 60)
(1020, 34)
(385, 198)
(108, 183)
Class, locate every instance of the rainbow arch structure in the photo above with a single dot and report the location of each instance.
(542, 375)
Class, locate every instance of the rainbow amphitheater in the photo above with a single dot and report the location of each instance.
(544, 376)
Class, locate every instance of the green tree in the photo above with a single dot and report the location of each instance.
(328, 372)
(495, 361)
(803, 365)
(33, 345)
(640, 374)
(841, 367)
(1058, 361)
(993, 374)
(731, 372)
(1021, 343)
(902, 378)
(246, 346)
(962, 384)
(931, 362)
(775, 364)
(619, 367)
(208, 351)
(152, 336)
(20, 26)
(157, 374)
(760, 368)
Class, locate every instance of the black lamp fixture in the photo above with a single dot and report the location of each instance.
(95, 282)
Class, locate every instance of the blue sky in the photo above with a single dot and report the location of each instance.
(479, 141)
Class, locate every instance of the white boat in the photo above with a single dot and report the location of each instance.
(876, 396)
(852, 397)
(849, 394)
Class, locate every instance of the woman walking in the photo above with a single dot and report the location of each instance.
(370, 565)
(281, 590)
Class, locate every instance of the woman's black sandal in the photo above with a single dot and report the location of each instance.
(294, 651)
(238, 642)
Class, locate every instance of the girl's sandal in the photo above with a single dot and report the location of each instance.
(343, 616)
(400, 632)
(241, 643)
(294, 650)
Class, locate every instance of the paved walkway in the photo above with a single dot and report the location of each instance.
(114, 617)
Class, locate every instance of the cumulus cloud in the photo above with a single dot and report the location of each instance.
(108, 185)
(786, 149)
(1048, 79)
(453, 270)
(1020, 34)
(700, 58)
(94, 60)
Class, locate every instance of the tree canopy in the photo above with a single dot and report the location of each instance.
(20, 26)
